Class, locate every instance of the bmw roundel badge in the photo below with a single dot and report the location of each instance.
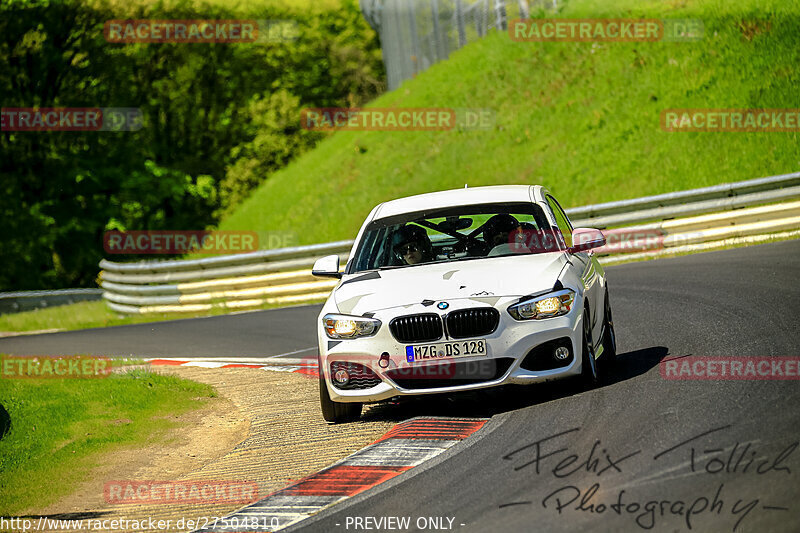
(443, 305)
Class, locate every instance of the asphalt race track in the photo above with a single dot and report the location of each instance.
(638, 453)
(257, 334)
(512, 476)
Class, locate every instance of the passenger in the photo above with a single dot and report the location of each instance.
(411, 245)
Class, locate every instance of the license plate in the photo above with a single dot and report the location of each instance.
(445, 350)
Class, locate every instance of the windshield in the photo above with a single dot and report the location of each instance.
(455, 234)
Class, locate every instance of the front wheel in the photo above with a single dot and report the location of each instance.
(336, 412)
(589, 374)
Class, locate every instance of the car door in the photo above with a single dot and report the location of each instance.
(591, 271)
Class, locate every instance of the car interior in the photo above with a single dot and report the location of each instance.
(454, 235)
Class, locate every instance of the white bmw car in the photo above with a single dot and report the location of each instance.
(461, 290)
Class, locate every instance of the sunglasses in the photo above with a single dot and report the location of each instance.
(408, 248)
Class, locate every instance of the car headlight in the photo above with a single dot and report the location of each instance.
(349, 327)
(546, 306)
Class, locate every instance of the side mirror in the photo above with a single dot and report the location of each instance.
(327, 267)
(586, 239)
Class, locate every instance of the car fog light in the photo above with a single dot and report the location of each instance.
(561, 353)
(383, 362)
(341, 376)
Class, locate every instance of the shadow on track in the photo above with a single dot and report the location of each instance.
(635, 363)
(489, 402)
(5, 421)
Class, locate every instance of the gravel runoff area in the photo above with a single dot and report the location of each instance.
(266, 428)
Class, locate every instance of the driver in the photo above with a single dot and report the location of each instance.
(497, 229)
(412, 245)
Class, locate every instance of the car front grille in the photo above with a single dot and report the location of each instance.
(361, 377)
(477, 322)
(425, 327)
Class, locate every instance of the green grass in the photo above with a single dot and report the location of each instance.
(579, 118)
(60, 428)
(85, 315)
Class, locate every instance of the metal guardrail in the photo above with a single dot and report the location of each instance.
(208, 263)
(692, 202)
(283, 276)
(15, 302)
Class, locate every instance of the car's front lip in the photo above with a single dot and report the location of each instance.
(512, 339)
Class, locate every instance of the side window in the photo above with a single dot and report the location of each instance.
(561, 220)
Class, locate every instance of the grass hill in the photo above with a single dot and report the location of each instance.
(580, 118)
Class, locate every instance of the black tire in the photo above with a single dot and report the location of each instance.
(609, 335)
(589, 374)
(336, 412)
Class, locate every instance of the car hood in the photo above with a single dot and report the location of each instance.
(487, 277)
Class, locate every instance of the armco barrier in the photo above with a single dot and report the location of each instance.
(15, 302)
(234, 281)
(284, 276)
(725, 197)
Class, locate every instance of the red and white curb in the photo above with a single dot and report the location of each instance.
(306, 368)
(405, 446)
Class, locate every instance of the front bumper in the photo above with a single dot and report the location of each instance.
(506, 350)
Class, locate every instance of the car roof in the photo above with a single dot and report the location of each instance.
(467, 196)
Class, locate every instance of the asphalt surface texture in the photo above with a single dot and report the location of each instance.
(638, 453)
(285, 332)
